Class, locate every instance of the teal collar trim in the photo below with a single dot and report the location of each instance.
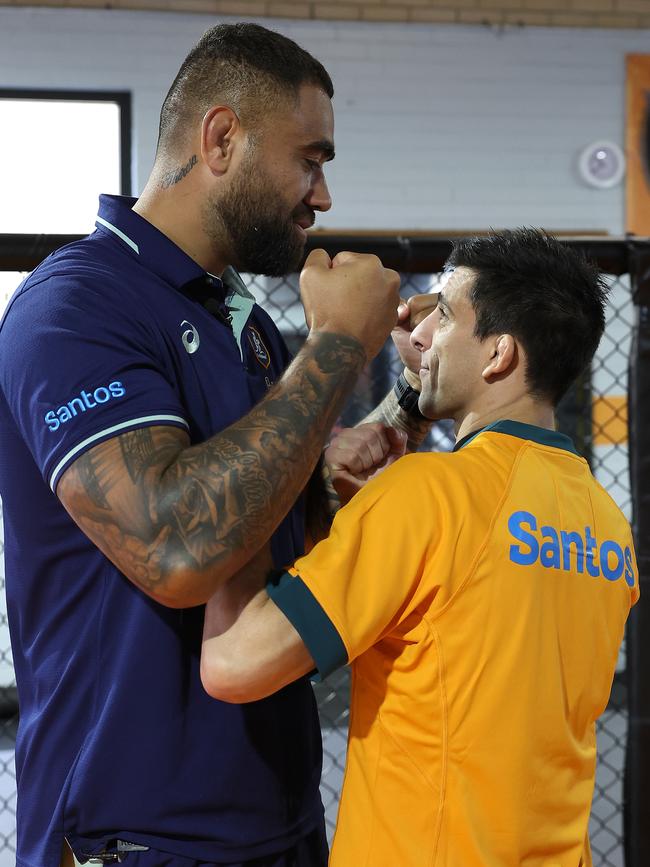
(239, 302)
(541, 435)
(234, 283)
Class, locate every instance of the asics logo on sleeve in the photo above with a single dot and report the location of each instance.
(82, 403)
(190, 337)
(569, 551)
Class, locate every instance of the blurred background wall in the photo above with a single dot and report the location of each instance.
(438, 125)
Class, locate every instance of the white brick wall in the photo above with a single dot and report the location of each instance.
(438, 126)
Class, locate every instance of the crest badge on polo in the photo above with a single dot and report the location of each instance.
(259, 347)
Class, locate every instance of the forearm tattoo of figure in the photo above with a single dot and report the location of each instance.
(155, 504)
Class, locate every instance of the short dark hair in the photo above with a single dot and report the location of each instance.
(246, 65)
(550, 297)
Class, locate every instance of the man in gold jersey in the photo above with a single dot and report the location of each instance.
(479, 596)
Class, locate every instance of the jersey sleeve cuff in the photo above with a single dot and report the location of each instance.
(107, 433)
(304, 612)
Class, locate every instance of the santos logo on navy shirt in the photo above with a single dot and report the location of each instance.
(82, 403)
(567, 550)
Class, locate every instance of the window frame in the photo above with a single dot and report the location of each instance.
(121, 97)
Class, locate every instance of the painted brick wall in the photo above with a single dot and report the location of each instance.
(558, 13)
(438, 126)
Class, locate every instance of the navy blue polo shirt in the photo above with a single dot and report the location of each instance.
(117, 737)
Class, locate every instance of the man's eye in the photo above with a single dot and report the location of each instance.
(312, 165)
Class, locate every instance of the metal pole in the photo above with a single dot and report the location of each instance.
(636, 809)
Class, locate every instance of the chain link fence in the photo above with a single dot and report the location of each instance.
(594, 414)
(8, 728)
(609, 461)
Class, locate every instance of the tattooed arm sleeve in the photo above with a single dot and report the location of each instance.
(179, 520)
(391, 413)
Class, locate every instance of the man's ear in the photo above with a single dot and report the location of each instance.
(220, 132)
(503, 357)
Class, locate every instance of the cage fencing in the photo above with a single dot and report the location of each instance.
(594, 414)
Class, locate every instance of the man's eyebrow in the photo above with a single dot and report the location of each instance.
(323, 146)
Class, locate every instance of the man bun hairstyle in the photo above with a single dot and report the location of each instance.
(550, 297)
(246, 66)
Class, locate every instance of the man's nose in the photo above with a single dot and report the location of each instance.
(422, 334)
(318, 198)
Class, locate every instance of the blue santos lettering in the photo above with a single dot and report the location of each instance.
(549, 553)
(574, 539)
(82, 402)
(629, 568)
(612, 560)
(568, 550)
(516, 526)
(590, 553)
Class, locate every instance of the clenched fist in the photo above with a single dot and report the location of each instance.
(351, 294)
(358, 454)
(410, 313)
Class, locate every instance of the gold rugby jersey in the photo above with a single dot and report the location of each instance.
(481, 598)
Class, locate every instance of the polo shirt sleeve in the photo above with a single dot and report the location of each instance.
(361, 582)
(78, 368)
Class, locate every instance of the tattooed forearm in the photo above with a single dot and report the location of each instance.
(321, 503)
(262, 462)
(176, 175)
(178, 519)
(391, 413)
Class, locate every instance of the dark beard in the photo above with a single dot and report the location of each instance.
(263, 239)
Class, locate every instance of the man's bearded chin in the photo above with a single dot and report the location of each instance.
(262, 238)
(268, 245)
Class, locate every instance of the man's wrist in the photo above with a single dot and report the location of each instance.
(407, 397)
(412, 379)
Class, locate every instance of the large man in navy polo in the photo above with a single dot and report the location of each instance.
(124, 706)
(148, 463)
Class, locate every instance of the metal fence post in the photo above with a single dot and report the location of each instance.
(637, 762)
